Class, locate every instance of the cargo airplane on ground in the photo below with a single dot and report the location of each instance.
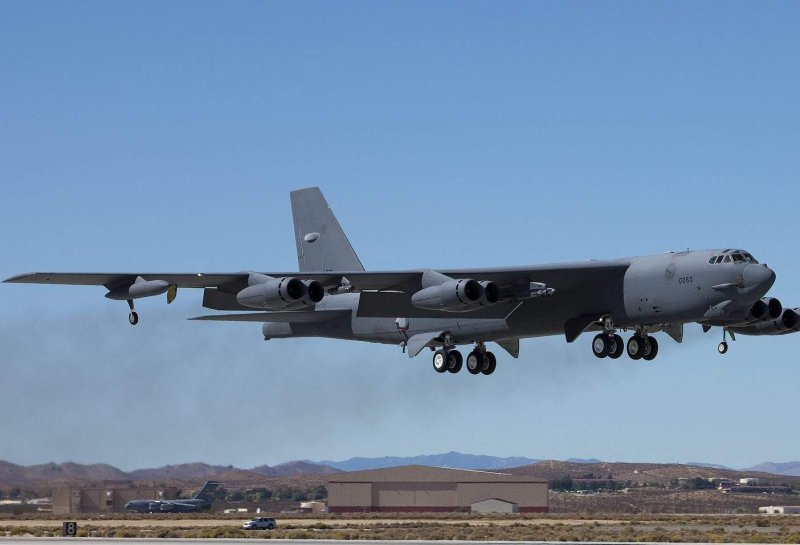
(201, 502)
(333, 296)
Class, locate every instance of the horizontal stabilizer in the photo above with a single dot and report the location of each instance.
(297, 317)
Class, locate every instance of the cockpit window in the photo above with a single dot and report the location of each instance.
(749, 258)
(732, 256)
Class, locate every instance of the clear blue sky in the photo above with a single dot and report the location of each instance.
(165, 136)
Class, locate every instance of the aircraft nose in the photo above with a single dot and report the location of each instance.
(758, 276)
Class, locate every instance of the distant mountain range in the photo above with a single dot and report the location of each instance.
(17, 475)
(449, 459)
(784, 468)
(13, 474)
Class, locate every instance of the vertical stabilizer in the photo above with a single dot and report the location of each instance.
(321, 243)
(207, 493)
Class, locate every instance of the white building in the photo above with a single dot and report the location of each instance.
(780, 510)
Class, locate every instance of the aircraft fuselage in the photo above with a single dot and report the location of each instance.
(652, 291)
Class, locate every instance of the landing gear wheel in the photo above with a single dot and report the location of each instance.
(490, 364)
(133, 318)
(617, 347)
(475, 362)
(440, 363)
(601, 345)
(636, 347)
(645, 347)
(454, 361)
(653, 352)
(722, 347)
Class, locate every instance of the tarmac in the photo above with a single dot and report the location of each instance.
(117, 541)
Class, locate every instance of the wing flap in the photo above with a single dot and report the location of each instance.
(299, 317)
(380, 304)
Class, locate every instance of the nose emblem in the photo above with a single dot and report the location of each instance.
(669, 274)
(740, 282)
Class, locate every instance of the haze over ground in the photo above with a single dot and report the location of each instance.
(144, 136)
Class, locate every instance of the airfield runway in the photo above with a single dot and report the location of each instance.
(117, 541)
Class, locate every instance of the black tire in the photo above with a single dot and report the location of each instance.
(474, 362)
(651, 355)
(133, 318)
(490, 364)
(455, 360)
(722, 347)
(271, 527)
(601, 345)
(618, 347)
(635, 347)
(440, 361)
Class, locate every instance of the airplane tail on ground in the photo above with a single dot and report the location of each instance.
(321, 242)
(207, 492)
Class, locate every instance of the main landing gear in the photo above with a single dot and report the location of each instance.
(479, 361)
(610, 344)
(642, 347)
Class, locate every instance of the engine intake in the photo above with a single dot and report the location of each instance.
(774, 307)
(280, 293)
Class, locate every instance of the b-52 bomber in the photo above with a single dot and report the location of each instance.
(331, 295)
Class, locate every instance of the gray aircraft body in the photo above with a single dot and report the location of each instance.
(331, 295)
(201, 502)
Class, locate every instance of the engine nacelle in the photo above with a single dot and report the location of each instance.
(758, 311)
(280, 293)
(774, 308)
(763, 310)
(459, 295)
(787, 322)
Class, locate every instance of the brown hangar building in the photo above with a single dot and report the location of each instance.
(110, 497)
(434, 489)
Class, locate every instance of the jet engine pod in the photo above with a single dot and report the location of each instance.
(454, 295)
(491, 293)
(787, 322)
(758, 311)
(315, 291)
(774, 307)
(790, 319)
(275, 294)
